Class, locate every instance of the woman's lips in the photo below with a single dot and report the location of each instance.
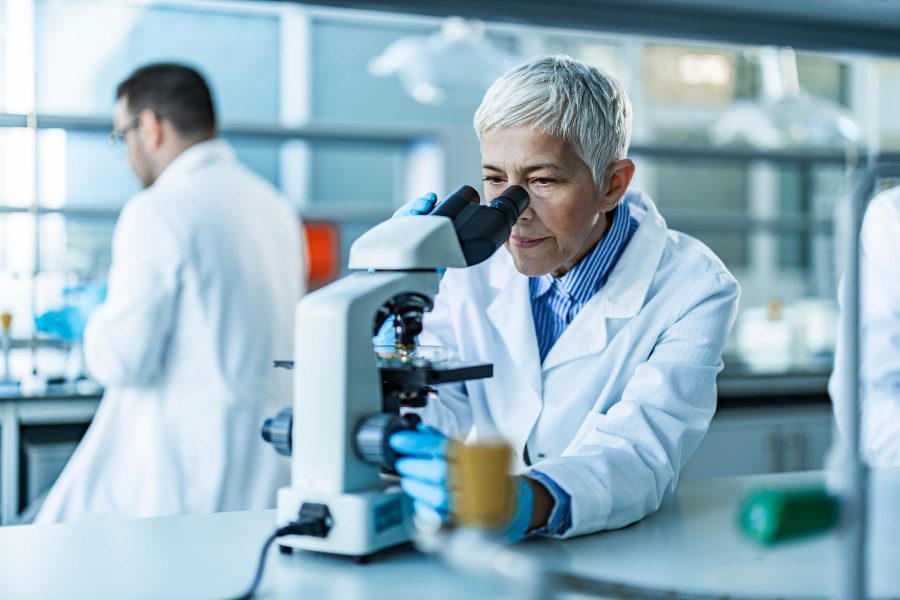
(521, 241)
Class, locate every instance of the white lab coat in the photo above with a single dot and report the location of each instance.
(206, 271)
(880, 319)
(624, 396)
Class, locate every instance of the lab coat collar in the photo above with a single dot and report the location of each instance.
(196, 156)
(628, 284)
(510, 313)
(621, 297)
(624, 293)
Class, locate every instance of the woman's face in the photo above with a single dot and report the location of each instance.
(567, 214)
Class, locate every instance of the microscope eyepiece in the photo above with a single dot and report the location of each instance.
(512, 202)
(481, 229)
(456, 202)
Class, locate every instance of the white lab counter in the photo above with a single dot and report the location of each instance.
(690, 546)
(200, 556)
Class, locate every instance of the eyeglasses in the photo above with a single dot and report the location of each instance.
(116, 138)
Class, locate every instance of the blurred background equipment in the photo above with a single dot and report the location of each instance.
(784, 115)
(456, 61)
(6, 346)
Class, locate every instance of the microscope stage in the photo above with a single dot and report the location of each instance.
(396, 373)
(422, 372)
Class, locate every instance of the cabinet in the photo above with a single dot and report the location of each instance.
(27, 423)
(750, 441)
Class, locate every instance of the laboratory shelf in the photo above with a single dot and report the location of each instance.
(394, 134)
(336, 132)
(746, 388)
(53, 391)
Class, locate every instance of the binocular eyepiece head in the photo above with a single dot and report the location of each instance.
(482, 229)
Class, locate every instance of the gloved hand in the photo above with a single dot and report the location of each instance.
(420, 206)
(68, 322)
(425, 478)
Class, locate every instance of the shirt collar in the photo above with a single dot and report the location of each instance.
(585, 278)
(202, 153)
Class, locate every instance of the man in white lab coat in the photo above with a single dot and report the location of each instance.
(206, 271)
(880, 329)
(605, 328)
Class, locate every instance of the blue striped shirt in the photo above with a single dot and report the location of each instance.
(554, 303)
(556, 300)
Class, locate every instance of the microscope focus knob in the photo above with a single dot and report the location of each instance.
(278, 431)
(372, 438)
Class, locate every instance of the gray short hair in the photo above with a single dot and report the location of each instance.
(561, 96)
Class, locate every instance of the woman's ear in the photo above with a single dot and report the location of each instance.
(618, 179)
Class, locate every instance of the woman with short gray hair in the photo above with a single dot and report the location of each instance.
(605, 328)
(566, 98)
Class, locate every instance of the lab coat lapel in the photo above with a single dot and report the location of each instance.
(510, 313)
(621, 297)
(585, 335)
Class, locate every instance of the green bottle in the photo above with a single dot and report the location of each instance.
(772, 515)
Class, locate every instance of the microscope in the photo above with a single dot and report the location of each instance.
(350, 397)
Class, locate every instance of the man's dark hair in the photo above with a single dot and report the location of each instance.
(174, 92)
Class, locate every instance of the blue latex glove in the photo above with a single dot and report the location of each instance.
(423, 470)
(65, 323)
(68, 323)
(386, 335)
(420, 206)
(425, 478)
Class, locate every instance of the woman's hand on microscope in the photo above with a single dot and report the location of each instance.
(420, 206)
(425, 477)
(423, 470)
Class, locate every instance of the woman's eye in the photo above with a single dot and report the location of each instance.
(493, 179)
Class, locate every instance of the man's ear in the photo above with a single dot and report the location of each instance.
(617, 180)
(150, 129)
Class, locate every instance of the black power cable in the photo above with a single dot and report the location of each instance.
(316, 526)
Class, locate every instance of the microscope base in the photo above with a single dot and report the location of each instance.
(362, 523)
